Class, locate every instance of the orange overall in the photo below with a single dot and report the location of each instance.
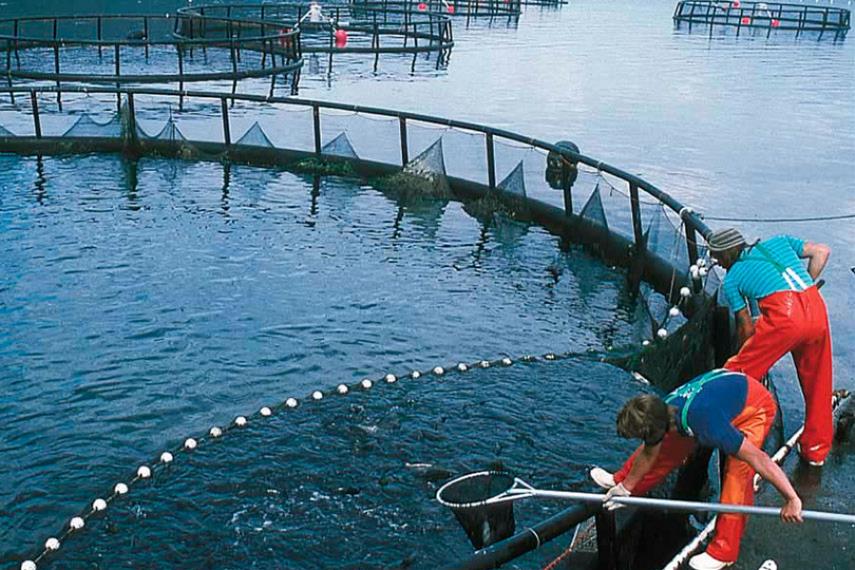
(796, 322)
(754, 422)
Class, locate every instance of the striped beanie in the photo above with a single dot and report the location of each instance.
(722, 240)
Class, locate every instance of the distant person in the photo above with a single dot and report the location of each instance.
(793, 319)
(314, 14)
(722, 409)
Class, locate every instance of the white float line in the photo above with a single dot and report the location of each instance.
(145, 471)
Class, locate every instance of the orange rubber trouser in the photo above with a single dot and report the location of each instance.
(754, 421)
(797, 323)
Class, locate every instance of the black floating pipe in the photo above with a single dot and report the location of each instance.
(530, 539)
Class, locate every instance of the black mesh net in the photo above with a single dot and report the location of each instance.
(484, 524)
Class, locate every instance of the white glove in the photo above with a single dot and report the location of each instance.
(617, 491)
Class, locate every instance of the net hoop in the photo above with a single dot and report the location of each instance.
(518, 489)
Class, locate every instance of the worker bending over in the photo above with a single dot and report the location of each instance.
(722, 409)
(793, 319)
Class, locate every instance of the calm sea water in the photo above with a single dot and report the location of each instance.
(129, 319)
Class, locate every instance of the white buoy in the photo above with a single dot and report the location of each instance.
(674, 312)
(701, 263)
(415, 374)
(266, 412)
(216, 432)
(120, 489)
(190, 443)
(694, 272)
(28, 565)
(439, 371)
(144, 472)
(391, 378)
(549, 356)
(461, 366)
(685, 292)
(645, 342)
(485, 364)
(99, 505)
(703, 271)
(76, 523)
(507, 361)
(52, 544)
(240, 421)
(662, 333)
(317, 395)
(166, 457)
(342, 389)
(367, 384)
(291, 402)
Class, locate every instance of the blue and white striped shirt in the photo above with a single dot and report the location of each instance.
(753, 276)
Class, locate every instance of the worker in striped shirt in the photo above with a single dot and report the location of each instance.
(793, 319)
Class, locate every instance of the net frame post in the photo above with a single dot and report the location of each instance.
(132, 141)
(227, 133)
(692, 250)
(637, 231)
(37, 122)
(405, 151)
(56, 70)
(491, 162)
(607, 558)
(316, 123)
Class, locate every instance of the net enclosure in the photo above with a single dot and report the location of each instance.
(619, 216)
(133, 49)
(339, 29)
(764, 17)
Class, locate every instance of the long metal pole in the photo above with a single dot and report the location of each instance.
(672, 505)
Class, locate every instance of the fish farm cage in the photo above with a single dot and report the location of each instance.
(460, 8)
(616, 215)
(765, 17)
(340, 29)
(134, 49)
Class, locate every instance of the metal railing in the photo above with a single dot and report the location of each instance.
(486, 162)
(45, 41)
(800, 18)
(388, 30)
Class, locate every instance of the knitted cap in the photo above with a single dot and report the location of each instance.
(722, 240)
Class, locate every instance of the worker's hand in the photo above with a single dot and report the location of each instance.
(792, 511)
(617, 491)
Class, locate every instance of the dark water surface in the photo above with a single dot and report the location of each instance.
(140, 307)
(143, 305)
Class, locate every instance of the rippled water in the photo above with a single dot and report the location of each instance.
(144, 303)
(349, 482)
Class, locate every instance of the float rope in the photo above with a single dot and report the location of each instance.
(144, 471)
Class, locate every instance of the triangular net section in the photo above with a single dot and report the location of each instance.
(423, 177)
(501, 212)
(85, 126)
(340, 146)
(4, 132)
(593, 209)
(514, 183)
(255, 136)
(170, 132)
